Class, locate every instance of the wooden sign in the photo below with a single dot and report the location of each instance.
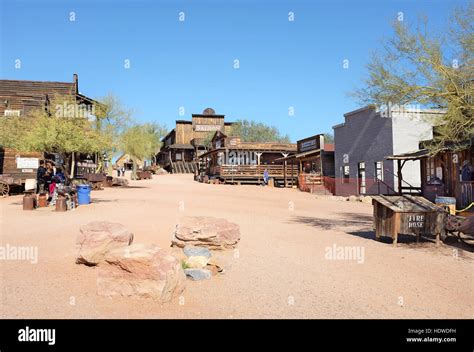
(207, 128)
(27, 163)
(12, 113)
(416, 221)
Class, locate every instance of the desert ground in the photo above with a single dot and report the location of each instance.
(279, 270)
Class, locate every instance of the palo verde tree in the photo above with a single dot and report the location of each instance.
(252, 131)
(428, 69)
(140, 142)
(112, 118)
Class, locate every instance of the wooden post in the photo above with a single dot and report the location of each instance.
(399, 175)
(73, 162)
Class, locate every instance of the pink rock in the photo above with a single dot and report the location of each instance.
(205, 231)
(97, 238)
(143, 271)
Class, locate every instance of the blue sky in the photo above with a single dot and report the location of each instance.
(190, 64)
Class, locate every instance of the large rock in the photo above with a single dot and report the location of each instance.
(99, 237)
(120, 182)
(143, 271)
(203, 231)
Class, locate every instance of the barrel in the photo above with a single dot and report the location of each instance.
(29, 202)
(83, 194)
(61, 204)
(449, 203)
(42, 200)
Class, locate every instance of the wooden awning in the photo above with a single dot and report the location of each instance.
(300, 155)
(419, 154)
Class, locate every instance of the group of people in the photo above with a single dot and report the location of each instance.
(47, 176)
(120, 171)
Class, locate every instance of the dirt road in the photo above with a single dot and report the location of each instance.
(286, 265)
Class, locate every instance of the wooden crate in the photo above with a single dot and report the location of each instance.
(408, 215)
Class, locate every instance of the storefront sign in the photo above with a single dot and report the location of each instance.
(11, 113)
(207, 128)
(308, 145)
(27, 163)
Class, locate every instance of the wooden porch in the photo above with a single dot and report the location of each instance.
(253, 174)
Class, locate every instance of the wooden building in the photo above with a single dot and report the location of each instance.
(183, 145)
(232, 161)
(18, 98)
(315, 164)
(448, 173)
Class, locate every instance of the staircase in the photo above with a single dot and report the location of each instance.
(183, 167)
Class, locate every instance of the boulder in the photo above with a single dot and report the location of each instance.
(99, 237)
(198, 274)
(190, 251)
(142, 271)
(121, 182)
(203, 231)
(366, 200)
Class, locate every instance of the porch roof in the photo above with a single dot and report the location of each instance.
(300, 155)
(416, 155)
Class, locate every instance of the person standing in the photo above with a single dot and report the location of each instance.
(40, 181)
(265, 177)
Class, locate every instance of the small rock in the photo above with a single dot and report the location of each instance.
(198, 274)
(352, 198)
(214, 269)
(366, 200)
(192, 251)
(196, 262)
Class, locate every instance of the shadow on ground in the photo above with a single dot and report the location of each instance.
(365, 223)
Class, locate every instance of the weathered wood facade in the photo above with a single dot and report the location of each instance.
(315, 164)
(185, 142)
(232, 161)
(19, 98)
(447, 173)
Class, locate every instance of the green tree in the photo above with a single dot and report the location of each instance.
(140, 141)
(328, 138)
(112, 119)
(252, 131)
(63, 127)
(157, 131)
(429, 70)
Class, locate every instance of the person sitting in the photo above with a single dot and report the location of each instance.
(59, 176)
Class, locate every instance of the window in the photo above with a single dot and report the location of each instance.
(379, 171)
(430, 169)
(345, 178)
(178, 156)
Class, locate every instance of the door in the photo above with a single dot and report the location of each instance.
(361, 177)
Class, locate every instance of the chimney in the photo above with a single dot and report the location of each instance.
(76, 82)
